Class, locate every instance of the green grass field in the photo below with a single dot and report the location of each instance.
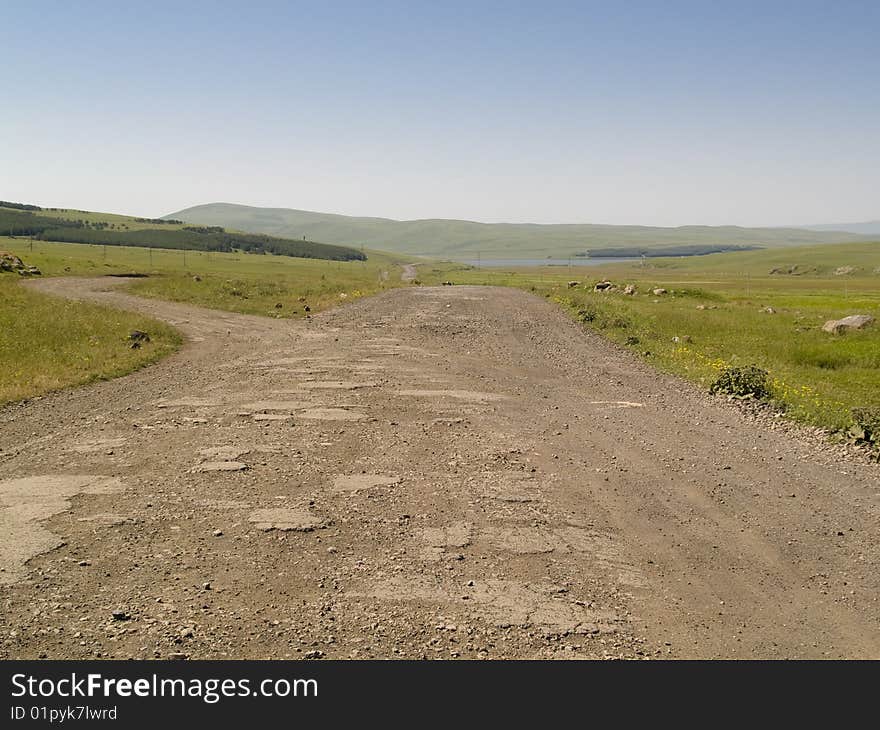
(47, 344)
(235, 282)
(120, 221)
(717, 308)
(255, 284)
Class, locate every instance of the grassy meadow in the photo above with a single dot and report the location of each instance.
(47, 343)
(119, 221)
(718, 313)
(234, 282)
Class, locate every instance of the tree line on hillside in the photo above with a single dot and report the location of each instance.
(21, 223)
(207, 238)
(158, 221)
(205, 229)
(18, 206)
(686, 250)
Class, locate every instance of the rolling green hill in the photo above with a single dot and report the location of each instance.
(467, 239)
(72, 226)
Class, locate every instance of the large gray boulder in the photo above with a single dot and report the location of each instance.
(853, 322)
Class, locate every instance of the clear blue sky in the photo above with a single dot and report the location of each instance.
(661, 113)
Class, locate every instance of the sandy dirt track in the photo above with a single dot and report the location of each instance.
(451, 472)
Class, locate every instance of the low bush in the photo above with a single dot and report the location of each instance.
(748, 381)
(866, 426)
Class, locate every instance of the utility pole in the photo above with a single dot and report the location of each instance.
(151, 257)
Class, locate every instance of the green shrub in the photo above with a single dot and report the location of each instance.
(749, 381)
(586, 315)
(866, 426)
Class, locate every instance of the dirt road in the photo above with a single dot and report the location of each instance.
(434, 472)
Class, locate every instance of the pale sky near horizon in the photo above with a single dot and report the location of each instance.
(654, 113)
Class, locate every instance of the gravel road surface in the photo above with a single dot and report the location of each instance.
(449, 472)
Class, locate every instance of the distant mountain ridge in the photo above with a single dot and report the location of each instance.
(468, 239)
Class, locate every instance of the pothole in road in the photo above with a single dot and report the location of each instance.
(26, 503)
(502, 602)
(602, 549)
(438, 540)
